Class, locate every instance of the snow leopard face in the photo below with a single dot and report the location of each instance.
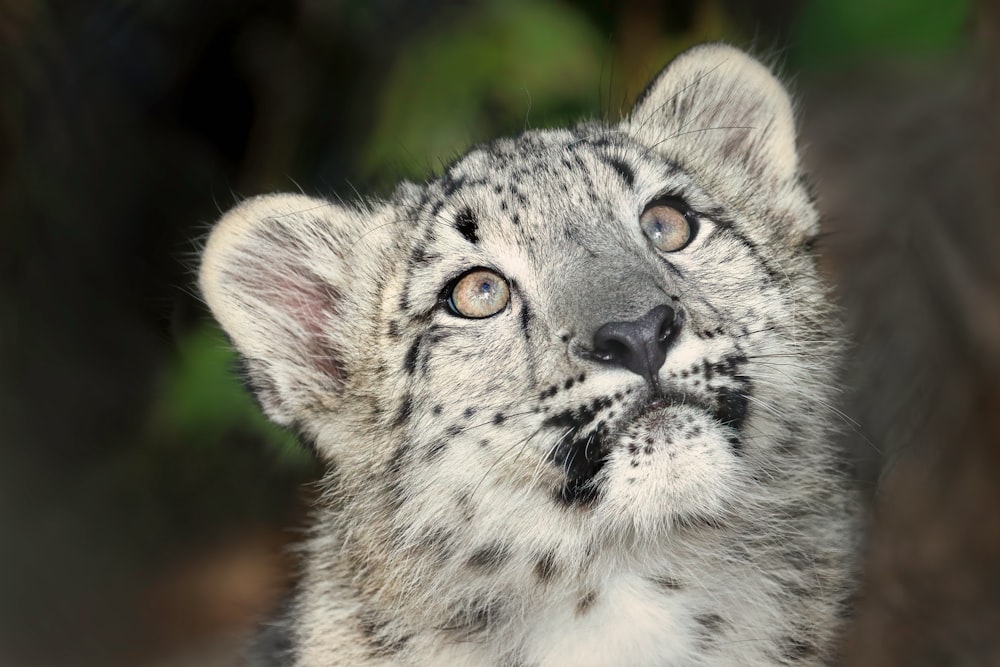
(571, 337)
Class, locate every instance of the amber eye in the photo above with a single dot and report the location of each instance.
(668, 228)
(479, 293)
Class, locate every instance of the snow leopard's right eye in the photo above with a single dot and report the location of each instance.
(478, 293)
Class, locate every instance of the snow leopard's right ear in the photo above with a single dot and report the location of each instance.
(276, 274)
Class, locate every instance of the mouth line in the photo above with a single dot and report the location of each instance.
(730, 407)
(583, 456)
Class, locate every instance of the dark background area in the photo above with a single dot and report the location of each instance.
(145, 506)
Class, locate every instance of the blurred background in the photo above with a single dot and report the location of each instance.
(146, 507)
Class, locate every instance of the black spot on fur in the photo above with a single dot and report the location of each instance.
(405, 411)
(575, 419)
(666, 582)
(404, 300)
(490, 558)
(599, 404)
(419, 256)
(545, 566)
(732, 407)
(468, 225)
(526, 320)
(435, 449)
(499, 418)
(585, 603)
(410, 363)
(711, 623)
(625, 171)
(710, 629)
(398, 457)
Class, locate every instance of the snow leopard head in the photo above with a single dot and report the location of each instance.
(599, 330)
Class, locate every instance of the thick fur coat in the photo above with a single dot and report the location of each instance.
(575, 394)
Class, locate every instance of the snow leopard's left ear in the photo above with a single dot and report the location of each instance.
(721, 110)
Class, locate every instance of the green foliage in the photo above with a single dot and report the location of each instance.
(833, 32)
(463, 79)
(202, 401)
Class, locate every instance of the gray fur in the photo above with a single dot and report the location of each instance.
(500, 497)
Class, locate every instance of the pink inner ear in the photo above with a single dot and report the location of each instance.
(310, 301)
(312, 304)
(295, 306)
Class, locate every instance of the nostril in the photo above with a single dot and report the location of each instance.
(612, 349)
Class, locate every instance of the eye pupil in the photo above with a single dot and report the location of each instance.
(479, 293)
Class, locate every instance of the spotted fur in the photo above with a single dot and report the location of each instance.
(500, 495)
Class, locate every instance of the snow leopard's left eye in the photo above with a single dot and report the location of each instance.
(479, 293)
(667, 224)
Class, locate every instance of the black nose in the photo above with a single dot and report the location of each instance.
(640, 345)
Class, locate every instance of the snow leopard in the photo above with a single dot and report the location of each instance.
(575, 394)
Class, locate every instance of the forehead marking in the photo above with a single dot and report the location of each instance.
(467, 225)
(624, 170)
